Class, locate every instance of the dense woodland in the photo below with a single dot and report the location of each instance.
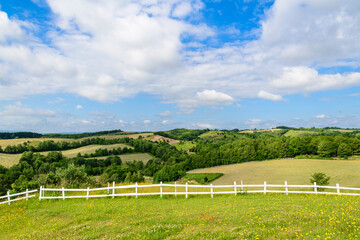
(168, 163)
(13, 135)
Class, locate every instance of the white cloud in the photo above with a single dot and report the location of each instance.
(79, 107)
(147, 121)
(321, 116)
(19, 110)
(212, 97)
(166, 114)
(253, 123)
(203, 125)
(166, 122)
(270, 96)
(110, 50)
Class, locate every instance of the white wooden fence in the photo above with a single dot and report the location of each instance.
(185, 189)
(18, 196)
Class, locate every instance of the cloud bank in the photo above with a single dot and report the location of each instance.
(109, 50)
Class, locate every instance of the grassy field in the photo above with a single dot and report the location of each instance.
(31, 141)
(200, 177)
(294, 171)
(251, 216)
(35, 141)
(9, 160)
(184, 146)
(145, 157)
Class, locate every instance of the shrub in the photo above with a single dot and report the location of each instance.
(320, 179)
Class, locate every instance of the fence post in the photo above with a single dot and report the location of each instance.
(186, 189)
(175, 190)
(212, 191)
(315, 188)
(136, 190)
(286, 188)
(40, 193)
(63, 193)
(235, 190)
(87, 193)
(27, 194)
(161, 189)
(8, 194)
(265, 187)
(113, 190)
(338, 188)
(242, 187)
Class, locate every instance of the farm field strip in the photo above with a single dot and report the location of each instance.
(294, 171)
(9, 160)
(144, 157)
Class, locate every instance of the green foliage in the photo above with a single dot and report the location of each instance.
(182, 134)
(202, 178)
(344, 150)
(320, 179)
(72, 176)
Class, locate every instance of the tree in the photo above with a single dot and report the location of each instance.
(344, 150)
(327, 148)
(320, 179)
(72, 175)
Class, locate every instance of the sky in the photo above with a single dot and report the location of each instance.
(149, 65)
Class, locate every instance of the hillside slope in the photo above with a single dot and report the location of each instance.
(294, 171)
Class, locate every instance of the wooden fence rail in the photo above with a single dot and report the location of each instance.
(117, 191)
(10, 197)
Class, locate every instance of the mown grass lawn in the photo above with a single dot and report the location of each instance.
(250, 216)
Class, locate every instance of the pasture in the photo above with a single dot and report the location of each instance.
(35, 141)
(294, 171)
(9, 160)
(248, 216)
(144, 157)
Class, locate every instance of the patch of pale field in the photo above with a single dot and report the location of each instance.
(9, 160)
(144, 157)
(294, 171)
(264, 130)
(89, 149)
(115, 136)
(35, 141)
(31, 141)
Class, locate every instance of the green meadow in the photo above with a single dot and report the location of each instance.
(245, 216)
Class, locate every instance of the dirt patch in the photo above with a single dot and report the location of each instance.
(165, 139)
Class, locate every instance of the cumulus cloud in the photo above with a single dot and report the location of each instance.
(79, 107)
(321, 116)
(203, 125)
(212, 97)
(147, 121)
(166, 114)
(270, 96)
(253, 123)
(166, 122)
(112, 49)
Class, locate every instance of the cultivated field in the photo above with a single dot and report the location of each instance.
(35, 141)
(9, 160)
(144, 157)
(249, 216)
(31, 141)
(294, 171)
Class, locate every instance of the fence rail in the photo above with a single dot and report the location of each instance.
(173, 189)
(10, 197)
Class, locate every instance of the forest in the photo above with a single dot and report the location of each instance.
(168, 163)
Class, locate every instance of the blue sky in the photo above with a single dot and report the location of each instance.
(146, 65)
